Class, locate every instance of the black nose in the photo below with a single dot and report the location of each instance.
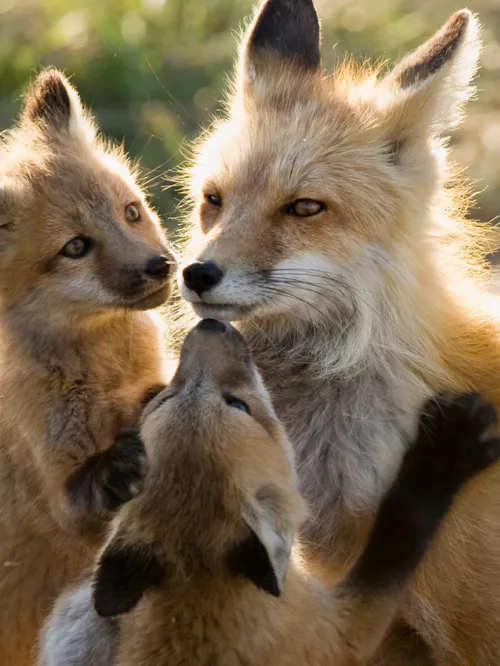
(201, 277)
(158, 267)
(211, 325)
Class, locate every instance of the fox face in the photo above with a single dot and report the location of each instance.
(316, 190)
(76, 234)
(222, 471)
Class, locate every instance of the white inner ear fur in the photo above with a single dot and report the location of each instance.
(434, 103)
(80, 126)
(277, 541)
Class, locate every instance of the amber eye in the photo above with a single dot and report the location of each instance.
(304, 208)
(76, 248)
(213, 199)
(132, 213)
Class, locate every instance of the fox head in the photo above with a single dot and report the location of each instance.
(76, 234)
(221, 500)
(317, 189)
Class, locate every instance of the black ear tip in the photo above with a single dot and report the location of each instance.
(270, 585)
(122, 577)
(250, 559)
(49, 96)
(291, 29)
(431, 56)
(106, 606)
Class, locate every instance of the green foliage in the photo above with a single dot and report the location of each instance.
(153, 70)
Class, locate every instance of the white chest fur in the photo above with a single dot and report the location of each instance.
(349, 431)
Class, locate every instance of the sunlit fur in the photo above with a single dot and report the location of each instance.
(358, 314)
(216, 473)
(75, 360)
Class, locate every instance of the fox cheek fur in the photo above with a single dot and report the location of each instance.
(365, 147)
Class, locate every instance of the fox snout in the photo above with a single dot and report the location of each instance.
(158, 267)
(145, 283)
(202, 276)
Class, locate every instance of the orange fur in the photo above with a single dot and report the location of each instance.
(382, 295)
(78, 350)
(192, 567)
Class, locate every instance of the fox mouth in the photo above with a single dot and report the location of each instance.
(221, 311)
(151, 299)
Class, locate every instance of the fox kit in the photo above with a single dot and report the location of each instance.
(82, 258)
(327, 225)
(210, 539)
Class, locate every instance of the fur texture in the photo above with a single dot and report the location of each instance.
(194, 565)
(82, 258)
(337, 223)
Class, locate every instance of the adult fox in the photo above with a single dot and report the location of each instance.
(326, 225)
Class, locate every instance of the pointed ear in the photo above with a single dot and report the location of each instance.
(425, 93)
(123, 574)
(52, 103)
(264, 555)
(283, 30)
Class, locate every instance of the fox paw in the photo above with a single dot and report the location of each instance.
(111, 478)
(453, 437)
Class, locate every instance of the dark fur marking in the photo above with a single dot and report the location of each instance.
(250, 559)
(291, 29)
(123, 575)
(450, 448)
(435, 53)
(151, 393)
(49, 100)
(105, 480)
(394, 151)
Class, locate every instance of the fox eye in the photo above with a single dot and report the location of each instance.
(304, 208)
(213, 199)
(76, 248)
(237, 403)
(132, 213)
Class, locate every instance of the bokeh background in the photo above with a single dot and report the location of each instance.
(153, 70)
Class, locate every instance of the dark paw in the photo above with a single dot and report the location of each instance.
(454, 438)
(111, 478)
(151, 393)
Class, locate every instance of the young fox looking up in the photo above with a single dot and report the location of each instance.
(198, 560)
(82, 258)
(325, 223)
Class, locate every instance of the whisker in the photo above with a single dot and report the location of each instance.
(317, 288)
(274, 289)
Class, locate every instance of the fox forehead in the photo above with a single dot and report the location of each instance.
(292, 154)
(88, 180)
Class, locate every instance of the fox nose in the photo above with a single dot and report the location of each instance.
(158, 267)
(201, 277)
(212, 325)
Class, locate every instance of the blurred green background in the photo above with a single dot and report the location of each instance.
(153, 70)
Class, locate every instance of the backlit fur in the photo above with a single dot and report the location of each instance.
(78, 350)
(358, 314)
(217, 476)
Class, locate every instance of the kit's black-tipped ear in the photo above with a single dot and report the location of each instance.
(49, 99)
(250, 559)
(263, 556)
(53, 106)
(123, 574)
(288, 28)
